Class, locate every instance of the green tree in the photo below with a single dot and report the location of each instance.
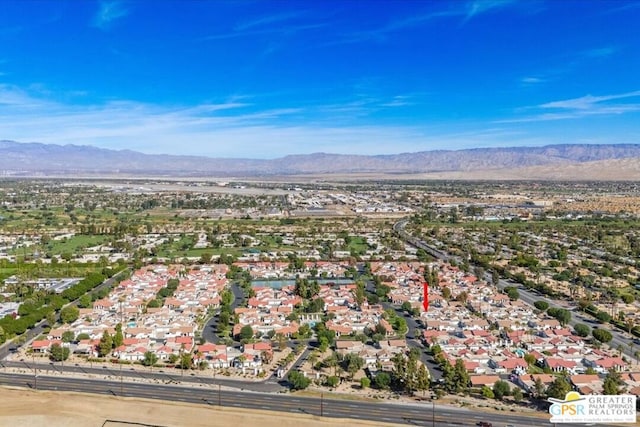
(333, 381)
(150, 359)
(612, 383)
(246, 332)
(541, 305)
(513, 294)
(582, 330)
(69, 314)
(365, 382)
(223, 320)
(105, 345)
(517, 394)
(602, 335)
(331, 362)
(315, 306)
(85, 301)
(530, 359)
(627, 298)
(561, 314)
(154, 303)
(118, 337)
(51, 319)
(281, 340)
(83, 336)
(359, 293)
(538, 388)
(406, 306)
(382, 381)
(487, 392)
(559, 388)
(423, 381)
(461, 379)
(304, 331)
(501, 389)
(186, 361)
(352, 363)
(68, 336)
(603, 316)
(58, 353)
(298, 381)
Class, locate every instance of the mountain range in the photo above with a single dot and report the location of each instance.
(587, 161)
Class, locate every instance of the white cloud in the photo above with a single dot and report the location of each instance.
(108, 12)
(583, 106)
(588, 102)
(229, 129)
(267, 20)
(238, 128)
(466, 10)
(478, 7)
(600, 52)
(531, 80)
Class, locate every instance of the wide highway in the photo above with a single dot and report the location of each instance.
(402, 414)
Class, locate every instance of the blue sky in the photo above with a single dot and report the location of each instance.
(263, 79)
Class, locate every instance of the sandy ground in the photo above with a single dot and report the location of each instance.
(24, 408)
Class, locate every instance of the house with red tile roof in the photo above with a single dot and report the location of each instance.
(559, 365)
(606, 363)
(42, 346)
(483, 380)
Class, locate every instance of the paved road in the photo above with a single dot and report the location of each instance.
(426, 414)
(210, 330)
(526, 295)
(413, 340)
(165, 375)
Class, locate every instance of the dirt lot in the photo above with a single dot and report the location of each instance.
(23, 408)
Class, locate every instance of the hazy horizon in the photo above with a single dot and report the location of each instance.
(270, 79)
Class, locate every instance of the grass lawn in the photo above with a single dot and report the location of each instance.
(75, 244)
(357, 245)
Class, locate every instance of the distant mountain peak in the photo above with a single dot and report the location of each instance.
(51, 159)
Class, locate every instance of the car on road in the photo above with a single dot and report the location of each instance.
(484, 424)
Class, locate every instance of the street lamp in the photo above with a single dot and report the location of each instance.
(321, 404)
(35, 373)
(433, 413)
(121, 379)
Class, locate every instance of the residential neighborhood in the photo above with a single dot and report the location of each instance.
(330, 295)
(494, 336)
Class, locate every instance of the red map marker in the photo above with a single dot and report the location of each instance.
(425, 298)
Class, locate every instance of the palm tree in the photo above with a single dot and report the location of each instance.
(313, 357)
(629, 325)
(266, 356)
(281, 340)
